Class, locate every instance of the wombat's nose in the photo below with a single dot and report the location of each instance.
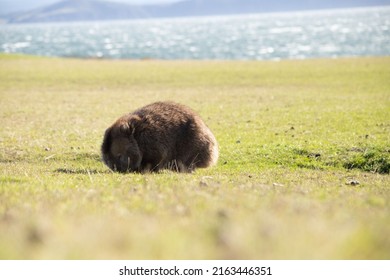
(124, 162)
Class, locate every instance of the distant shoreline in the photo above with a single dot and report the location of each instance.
(3, 20)
(31, 56)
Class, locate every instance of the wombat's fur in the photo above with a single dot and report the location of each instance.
(157, 136)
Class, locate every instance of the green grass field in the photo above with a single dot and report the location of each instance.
(303, 170)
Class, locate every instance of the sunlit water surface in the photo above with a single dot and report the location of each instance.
(331, 33)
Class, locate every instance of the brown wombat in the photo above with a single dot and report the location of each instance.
(162, 135)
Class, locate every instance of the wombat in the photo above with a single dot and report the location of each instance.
(161, 135)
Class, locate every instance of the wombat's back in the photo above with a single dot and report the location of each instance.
(171, 135)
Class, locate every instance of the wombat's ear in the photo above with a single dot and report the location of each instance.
(124, 128)
(133, 123)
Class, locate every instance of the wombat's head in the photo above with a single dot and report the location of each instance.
(120, 151)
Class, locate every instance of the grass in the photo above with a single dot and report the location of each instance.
(303, 170)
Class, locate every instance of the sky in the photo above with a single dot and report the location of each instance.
(7, 6)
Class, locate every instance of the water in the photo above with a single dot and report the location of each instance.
(332, 33)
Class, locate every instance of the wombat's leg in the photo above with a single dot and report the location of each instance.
(146, 168)
(175, 166)
(179, 166)
(194, 162)
(154, 166)
(183, 168)
(159, 161)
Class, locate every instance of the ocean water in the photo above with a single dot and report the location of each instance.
(299, 35)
